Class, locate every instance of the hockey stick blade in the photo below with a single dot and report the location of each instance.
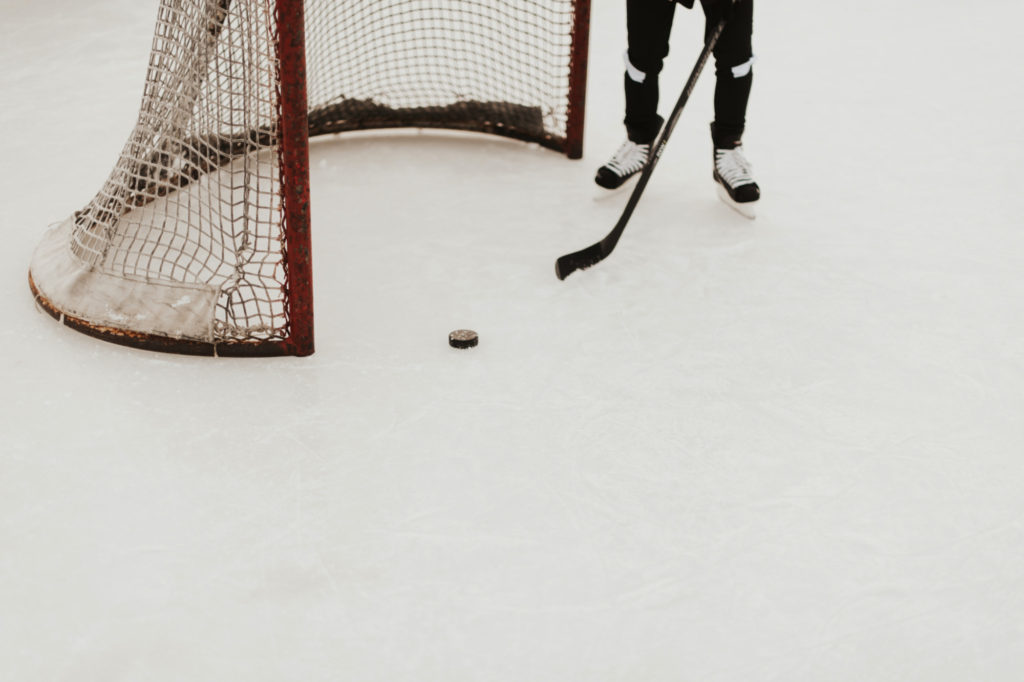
(580, 260)
(595, 253)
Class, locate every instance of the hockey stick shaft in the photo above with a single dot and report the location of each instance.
(594, 254)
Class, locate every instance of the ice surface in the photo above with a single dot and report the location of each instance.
(788, 449)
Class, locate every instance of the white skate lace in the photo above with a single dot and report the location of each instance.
(630, 158)
(733, 166)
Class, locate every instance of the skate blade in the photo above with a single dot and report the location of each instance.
(602, 193)
(747, 210)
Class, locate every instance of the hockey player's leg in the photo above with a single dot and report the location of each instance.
(734, 61)
(649, 25)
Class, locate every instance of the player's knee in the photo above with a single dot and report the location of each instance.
(741, 70)
(638, 69)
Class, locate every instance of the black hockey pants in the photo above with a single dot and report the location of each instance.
(649, 24)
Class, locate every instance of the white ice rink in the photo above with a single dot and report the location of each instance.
(783, 450)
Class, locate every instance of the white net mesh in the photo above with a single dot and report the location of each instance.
(195, 200)
(449, 63)
(195, 195)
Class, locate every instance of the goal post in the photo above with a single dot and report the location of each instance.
(199, 241)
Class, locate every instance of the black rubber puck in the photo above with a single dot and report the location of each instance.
(463, 338)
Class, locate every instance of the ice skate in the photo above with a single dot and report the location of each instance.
(734, 180)
(629, 160)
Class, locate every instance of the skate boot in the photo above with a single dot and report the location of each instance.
(629, 160)
(734, 177)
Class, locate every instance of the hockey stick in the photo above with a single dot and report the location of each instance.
(595, 253)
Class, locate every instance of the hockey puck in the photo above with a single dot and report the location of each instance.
(463, 338)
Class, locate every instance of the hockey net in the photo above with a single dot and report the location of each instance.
(199, 240)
